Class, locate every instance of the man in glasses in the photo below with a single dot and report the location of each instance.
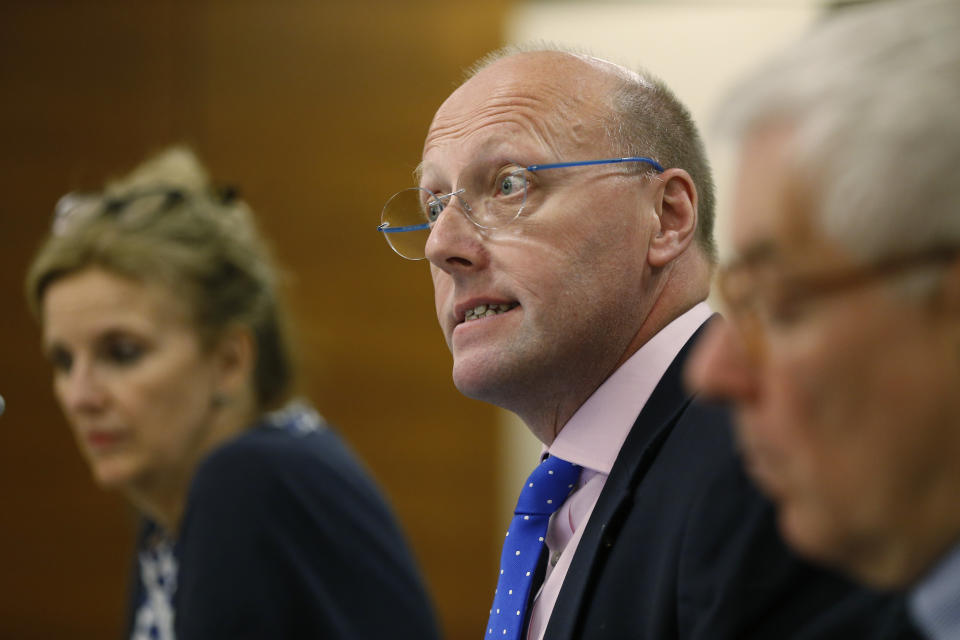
(842, 350)
(565, 207)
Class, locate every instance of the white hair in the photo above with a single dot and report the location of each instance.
(873, 98)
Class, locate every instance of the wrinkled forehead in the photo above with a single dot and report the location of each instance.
(550, 105)
(774, 203)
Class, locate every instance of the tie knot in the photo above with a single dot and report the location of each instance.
(547, 487)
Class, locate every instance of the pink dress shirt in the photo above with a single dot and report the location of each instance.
(592, 438)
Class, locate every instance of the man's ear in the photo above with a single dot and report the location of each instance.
(944, 305)
(677, 211)
(947, 296)
(235, 356)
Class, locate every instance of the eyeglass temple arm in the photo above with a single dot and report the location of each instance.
(386, 228)
(559, 165)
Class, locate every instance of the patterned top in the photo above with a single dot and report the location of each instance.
(158, 574)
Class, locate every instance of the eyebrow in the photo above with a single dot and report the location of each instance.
(491, 152)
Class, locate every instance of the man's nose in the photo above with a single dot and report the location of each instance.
(720, 367)
(455, 243)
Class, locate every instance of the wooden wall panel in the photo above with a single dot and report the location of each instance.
(317, 109)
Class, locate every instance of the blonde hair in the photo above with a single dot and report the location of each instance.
(165, 223)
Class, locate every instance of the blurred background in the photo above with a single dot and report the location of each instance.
(317, 110)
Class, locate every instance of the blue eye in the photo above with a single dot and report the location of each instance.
(433, 209)
(512, 185)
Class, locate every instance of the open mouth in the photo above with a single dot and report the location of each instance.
(487, 310)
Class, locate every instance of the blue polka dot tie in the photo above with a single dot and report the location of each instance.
(545, 490)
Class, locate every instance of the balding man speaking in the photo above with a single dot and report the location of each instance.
(565, 207)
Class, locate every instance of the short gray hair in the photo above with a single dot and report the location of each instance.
(873, 97)
(649, 119)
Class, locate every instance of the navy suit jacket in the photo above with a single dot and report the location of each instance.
(681, 545)
(285, 536)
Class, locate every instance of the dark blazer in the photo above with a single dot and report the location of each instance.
(681, 545)
(286, 536)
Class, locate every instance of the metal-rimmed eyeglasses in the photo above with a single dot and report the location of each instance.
(490, 202)
(756, 300)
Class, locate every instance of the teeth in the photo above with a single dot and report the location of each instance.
(486, 310)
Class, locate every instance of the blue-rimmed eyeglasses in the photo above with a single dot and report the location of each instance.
(489, 202)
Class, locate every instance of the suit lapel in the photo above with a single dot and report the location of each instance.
(639, 450)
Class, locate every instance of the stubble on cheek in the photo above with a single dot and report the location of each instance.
(442, 302)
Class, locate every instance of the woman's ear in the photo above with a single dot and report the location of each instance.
(235, 356)
(677, 211)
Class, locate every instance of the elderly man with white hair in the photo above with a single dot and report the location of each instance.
(841, 356)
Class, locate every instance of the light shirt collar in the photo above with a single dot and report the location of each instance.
(594, 434)
(935, 601)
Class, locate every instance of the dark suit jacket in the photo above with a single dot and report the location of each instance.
(681, 545)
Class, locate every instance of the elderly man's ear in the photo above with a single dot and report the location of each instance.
(947, 297)
(676, 201)
(946, 304)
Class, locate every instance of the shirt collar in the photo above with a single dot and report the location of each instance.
(594, 434)
(934, 602)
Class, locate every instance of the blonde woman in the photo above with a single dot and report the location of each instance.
(159, 313)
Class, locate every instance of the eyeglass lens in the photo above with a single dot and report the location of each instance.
(409, 215)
